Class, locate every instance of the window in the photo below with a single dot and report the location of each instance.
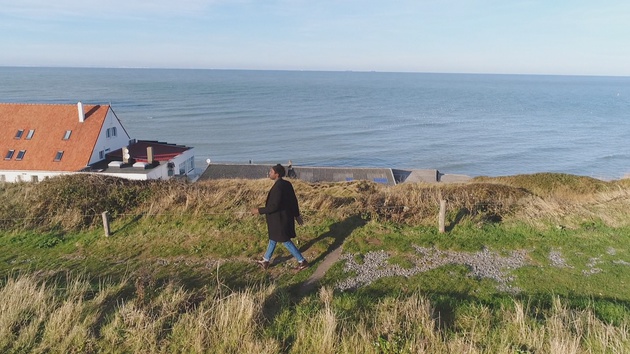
(29, 136)
(9, 155)
(110, 132)
(34, 179)
(187, 166)
(58, 156)
(101, 155)
(20, 155)
(19, 133)
(67, 135)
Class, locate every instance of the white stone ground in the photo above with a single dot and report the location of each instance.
(483, 264)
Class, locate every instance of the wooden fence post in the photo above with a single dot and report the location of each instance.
(106, 223)
(442, 216)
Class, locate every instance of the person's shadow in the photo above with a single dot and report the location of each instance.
(339, 231)
(458, 218)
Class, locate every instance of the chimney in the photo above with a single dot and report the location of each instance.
(81, 113)
(125, 154)
(150, 155)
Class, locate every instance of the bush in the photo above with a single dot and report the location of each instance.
(77, 201)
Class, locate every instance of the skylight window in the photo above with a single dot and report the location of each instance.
(58, 156)
(9, 155)
(19, 134)
(29, 136)
(20, 155)
(67, 135)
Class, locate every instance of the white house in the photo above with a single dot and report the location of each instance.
(44, 140)
(144, 159)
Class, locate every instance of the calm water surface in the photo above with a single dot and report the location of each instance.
(456, 123)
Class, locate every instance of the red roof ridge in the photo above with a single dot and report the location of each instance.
(52, 104)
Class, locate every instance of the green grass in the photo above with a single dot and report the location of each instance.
(177, 249)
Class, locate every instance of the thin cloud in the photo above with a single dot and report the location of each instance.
(529, 36)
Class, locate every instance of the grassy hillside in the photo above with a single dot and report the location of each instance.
(529, 263)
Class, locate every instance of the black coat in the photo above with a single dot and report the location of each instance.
(281, 209)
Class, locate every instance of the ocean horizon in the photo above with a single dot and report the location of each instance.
(471, 124)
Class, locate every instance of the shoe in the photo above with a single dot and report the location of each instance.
(302, 265)
(263, 263)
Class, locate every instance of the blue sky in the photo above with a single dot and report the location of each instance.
(577, 37)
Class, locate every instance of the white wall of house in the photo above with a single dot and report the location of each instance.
(28, 176)
(159, 172)
(140, 176)
(182, 165)
(112, 137)
(185, 163)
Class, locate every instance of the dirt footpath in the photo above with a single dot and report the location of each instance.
(323, 267)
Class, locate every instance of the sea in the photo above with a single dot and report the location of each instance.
(470, 124)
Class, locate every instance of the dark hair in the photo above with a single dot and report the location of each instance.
(279, 170)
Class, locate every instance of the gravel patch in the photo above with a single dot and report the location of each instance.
(555, 257)
(483, 264)
(592, 269)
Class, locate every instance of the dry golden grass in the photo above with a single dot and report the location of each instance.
(24, 307)
(38, 316)
(41, 317)
(319, 333)
(75, 202)
(609, 207)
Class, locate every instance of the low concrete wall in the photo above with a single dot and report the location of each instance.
(452, 178)
(332, 174)
(429, 176)
(343, 174)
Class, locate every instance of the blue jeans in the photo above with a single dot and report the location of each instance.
(288, 244)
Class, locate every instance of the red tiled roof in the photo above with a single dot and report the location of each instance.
(50, 123)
